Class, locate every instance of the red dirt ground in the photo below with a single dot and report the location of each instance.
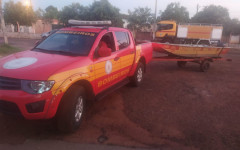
(173, 109)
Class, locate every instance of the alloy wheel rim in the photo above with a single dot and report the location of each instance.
(79, 109)
(139, 75)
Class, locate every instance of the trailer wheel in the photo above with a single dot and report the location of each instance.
(181, 64)
(71, 110)
(204, 66)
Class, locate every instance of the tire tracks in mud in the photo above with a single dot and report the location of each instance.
(108, 124)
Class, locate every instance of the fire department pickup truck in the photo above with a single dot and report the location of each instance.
(72, 66)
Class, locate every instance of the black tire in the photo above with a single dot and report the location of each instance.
(137, 79)
(204, 66)
(181, 64)
(67, 121)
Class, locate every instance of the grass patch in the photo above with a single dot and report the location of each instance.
(6, 49)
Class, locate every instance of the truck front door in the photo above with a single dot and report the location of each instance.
(105, 68)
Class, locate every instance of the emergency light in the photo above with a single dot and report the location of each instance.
(89, 23)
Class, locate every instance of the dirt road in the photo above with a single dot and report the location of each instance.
(173, 109)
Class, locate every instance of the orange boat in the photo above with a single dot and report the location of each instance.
(190, 50)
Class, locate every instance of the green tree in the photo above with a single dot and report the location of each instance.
(17, 14)
(99, 10)
(140, 18)
(103, 10)
(39, 13)
(73, 11)
(232, 27)
(213, 14)
(51, 12)
(175, 11)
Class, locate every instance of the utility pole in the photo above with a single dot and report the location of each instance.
(155, 21)
(198, 6)
(3, 24)
(156, 11)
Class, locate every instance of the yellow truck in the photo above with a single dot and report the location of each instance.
(187, 33)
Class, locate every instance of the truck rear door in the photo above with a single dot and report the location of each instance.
(126, 52)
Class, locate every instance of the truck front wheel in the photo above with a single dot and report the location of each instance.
(71, 109)
(137, 79)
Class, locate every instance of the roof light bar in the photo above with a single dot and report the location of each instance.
(89, 23)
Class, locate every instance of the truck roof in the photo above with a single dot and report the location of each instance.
(166, 21)
(191, 24)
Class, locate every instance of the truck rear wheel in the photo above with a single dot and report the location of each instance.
(137, 79)
(71, 109)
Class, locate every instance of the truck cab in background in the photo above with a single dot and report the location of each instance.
(166, 31)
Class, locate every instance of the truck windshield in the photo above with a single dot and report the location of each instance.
(68, 42)
(165, 26)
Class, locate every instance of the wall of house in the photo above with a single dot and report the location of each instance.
(144, 36)
(33, 32)
(41, 27)
(37, 28)
(22, 35)
(234, 39)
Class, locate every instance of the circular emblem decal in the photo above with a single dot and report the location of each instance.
(108, 67)
(19, 63)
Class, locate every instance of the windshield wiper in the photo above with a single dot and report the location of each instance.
(66, 52)
(57, 51)
(42, 50)
(39, 49)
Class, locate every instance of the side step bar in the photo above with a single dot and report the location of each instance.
(111, 89)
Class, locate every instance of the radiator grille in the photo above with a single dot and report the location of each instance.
(10, 83)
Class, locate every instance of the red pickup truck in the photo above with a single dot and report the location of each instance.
(69, 68)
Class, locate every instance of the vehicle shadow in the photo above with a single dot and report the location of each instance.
(105, 123)
(16, 130)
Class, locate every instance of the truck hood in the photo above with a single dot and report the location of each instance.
(31, 65)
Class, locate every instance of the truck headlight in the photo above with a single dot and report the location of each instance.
(36, 87)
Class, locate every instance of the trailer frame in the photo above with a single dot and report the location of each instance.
(204, 62)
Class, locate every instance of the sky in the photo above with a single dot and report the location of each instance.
(125, 5)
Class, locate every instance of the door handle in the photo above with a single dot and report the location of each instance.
(116, 58)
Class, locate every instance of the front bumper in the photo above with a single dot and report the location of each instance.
(30, 106)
